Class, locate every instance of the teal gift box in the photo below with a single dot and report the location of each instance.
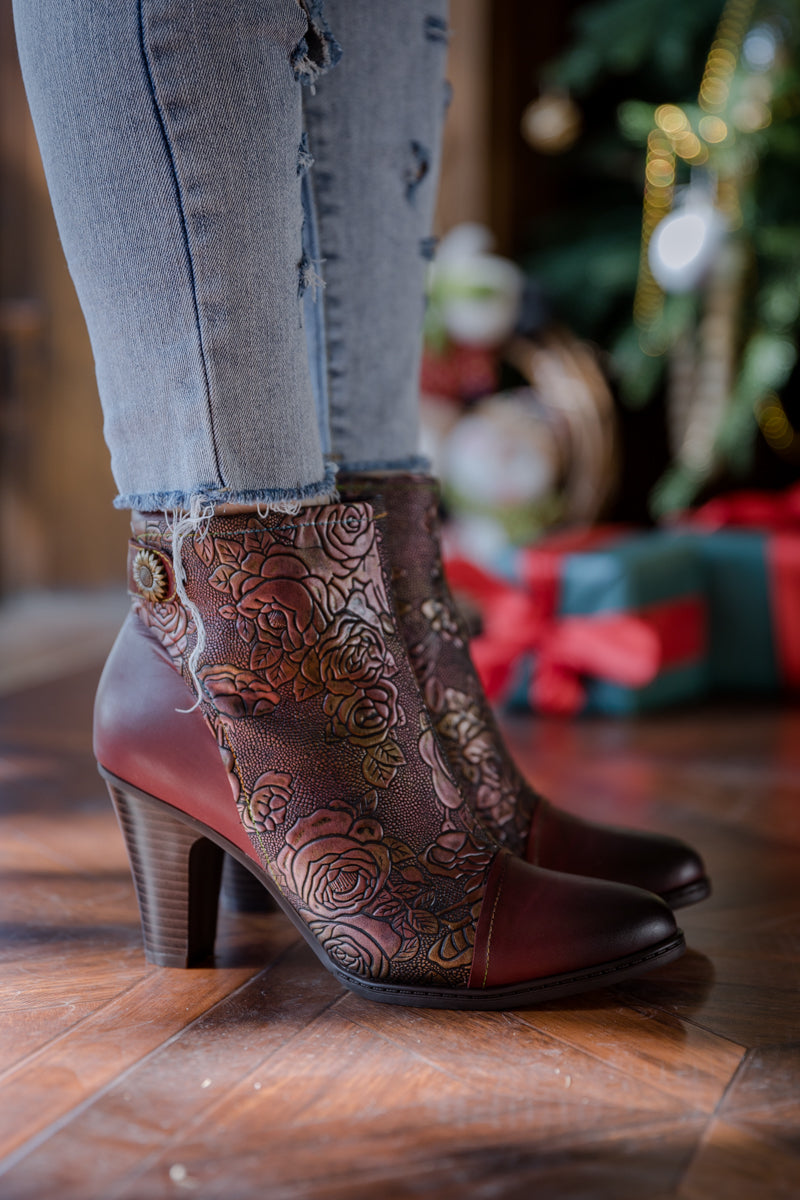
(752, 581)
(598, 620)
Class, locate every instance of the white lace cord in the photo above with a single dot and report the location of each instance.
(181, 526)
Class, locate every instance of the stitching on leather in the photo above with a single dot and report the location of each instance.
(491, 923)
(296, 525)
(273, 528)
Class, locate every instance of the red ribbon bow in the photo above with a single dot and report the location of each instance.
(749, 510)
(625, 649)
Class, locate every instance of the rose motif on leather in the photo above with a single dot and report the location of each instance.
(352, 654)
(463, 725)
(266, 809)
(237, 692)
(446, 791)
(286, 617)
(363, 947)
(472, 752)
(364, 717)
(456, 947)
(280, 605)
(441, 620)
(344, 532)
(170, 623)
(335, 862)
(456, 854)
(495, 796)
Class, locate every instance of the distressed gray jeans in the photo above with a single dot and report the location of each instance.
(244, 190)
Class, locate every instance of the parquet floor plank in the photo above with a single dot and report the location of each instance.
(261, 1077)
(734, 1160)
(766, 1093)
(156, 1099)
(94, 1051)
(673, 1056)
(399, 1157)
(362, 1107)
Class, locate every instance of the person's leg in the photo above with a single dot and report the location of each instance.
(374, 127)
(174, 150)
(173, 146)
(375, 180)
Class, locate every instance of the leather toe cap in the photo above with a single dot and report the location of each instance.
(537, 923)
(560, 841)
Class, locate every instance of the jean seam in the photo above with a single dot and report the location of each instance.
(161, 118)
(334, 340)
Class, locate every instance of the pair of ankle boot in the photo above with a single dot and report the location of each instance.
(343, 753)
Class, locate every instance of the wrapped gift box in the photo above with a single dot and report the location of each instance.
(748, 545)
(598, 620)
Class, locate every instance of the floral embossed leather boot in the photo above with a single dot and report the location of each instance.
(312, 761)
(516, 815)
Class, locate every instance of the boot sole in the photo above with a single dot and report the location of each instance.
(177, 861)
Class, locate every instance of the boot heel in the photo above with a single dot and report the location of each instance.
(242, 892)
(177, 875)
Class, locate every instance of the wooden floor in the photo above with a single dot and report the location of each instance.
(262, 1078)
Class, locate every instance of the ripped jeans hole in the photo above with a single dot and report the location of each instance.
(417, 169)
(305, 159)
(436, 30)
(308, 276)
(427, 248)
(318, 50)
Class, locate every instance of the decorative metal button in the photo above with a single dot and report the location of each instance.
(150, 576)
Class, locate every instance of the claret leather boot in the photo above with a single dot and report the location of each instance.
(520, 819)
(260, 701)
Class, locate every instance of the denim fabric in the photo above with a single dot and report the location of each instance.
(180, 171)
(374, 127)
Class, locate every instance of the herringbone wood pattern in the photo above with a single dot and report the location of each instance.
(260, 1077)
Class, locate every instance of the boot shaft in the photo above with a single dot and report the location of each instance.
(438, 648)
(338, 777)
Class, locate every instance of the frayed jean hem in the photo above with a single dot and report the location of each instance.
(211, 496)
(416, 463)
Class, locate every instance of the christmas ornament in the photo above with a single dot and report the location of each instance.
(552, 124)
(473, 295)
(685, 243)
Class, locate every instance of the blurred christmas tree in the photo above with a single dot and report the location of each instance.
(678, 248)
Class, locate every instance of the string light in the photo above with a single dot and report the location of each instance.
(775, 425)
(724, 54)
(673, 139)
(659, 176)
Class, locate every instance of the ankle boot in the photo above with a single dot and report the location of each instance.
(520, 819)
(262, 704)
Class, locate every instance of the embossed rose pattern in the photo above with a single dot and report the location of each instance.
(472, 752)
(345, 534)
(238, 693)
(457, 851)
(170, 622)
(365, 715)
(335, 862)
(363, 947)
(300, 638)
(270, 797)
(351, 655)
